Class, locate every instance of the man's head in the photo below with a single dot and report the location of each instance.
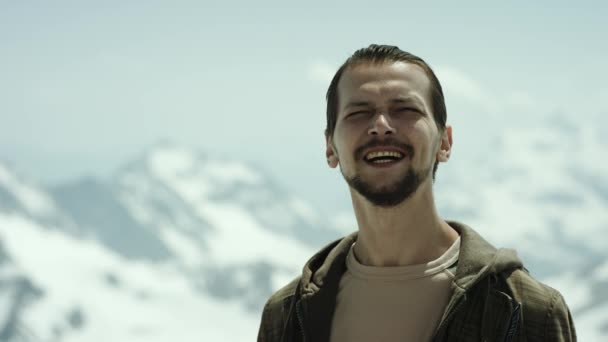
(386, 123)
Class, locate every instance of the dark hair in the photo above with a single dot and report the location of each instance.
(379, 54)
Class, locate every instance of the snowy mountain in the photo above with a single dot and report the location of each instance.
(169, 248)
(540, 185)
(586, 291)
(181, 246)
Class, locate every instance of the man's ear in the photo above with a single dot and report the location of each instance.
(330, 152)
(446, 145)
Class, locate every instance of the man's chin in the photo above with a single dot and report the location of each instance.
(386, 199)
(379, 186)
(384, 190)
(387, 193)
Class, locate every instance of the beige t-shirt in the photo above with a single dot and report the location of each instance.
(386, 304)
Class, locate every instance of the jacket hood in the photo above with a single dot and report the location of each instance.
(477, 259)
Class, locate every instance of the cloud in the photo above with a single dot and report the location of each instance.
(320, 71)
(461, 88)
(457, 84)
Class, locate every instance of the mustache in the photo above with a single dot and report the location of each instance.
(409, 149)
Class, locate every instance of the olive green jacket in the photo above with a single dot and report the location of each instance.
(494, 299)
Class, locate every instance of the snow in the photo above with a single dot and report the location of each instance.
(282, 278)
(589, 325)
(187, 250)
(35, 201)
(178, 167)
(230, 172)
(601, 272)
(5, 303)
(239, 238)
(151, 303)
(344, 222)
(303, 209)
(171, 160)
(118, 299)
(526, 189)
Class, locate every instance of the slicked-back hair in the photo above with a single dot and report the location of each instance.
(382, 54)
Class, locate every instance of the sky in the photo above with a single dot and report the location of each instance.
(88, 86)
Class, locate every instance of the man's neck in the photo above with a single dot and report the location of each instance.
(408, 234)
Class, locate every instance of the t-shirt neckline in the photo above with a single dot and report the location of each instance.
(447, 259)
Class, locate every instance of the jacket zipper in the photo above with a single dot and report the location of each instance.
(513, 324)
(300, 321)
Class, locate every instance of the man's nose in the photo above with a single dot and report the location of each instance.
(380, 126)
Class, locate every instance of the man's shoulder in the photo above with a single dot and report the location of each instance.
(318, 264)
(544, 310)
(276, 310)
(529, 290)
(282, 294)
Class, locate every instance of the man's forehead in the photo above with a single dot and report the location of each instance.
(389, 76)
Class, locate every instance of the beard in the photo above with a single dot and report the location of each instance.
(393, 194)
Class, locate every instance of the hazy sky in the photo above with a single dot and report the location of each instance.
(86, 86)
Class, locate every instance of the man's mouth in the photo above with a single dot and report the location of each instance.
(383, 157)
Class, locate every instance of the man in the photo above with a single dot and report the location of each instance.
(406, 275)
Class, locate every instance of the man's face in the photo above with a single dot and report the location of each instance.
(386, 140)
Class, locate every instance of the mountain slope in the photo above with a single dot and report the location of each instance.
(175, 245)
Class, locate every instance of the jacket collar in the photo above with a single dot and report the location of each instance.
(477, 258)
(322, 273)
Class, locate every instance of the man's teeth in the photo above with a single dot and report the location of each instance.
(381, 154)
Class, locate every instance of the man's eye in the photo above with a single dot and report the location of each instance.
(406, 109)
(358, 113)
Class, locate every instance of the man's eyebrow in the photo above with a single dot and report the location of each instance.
(397, 100)
(400, 100)
(357, 104)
